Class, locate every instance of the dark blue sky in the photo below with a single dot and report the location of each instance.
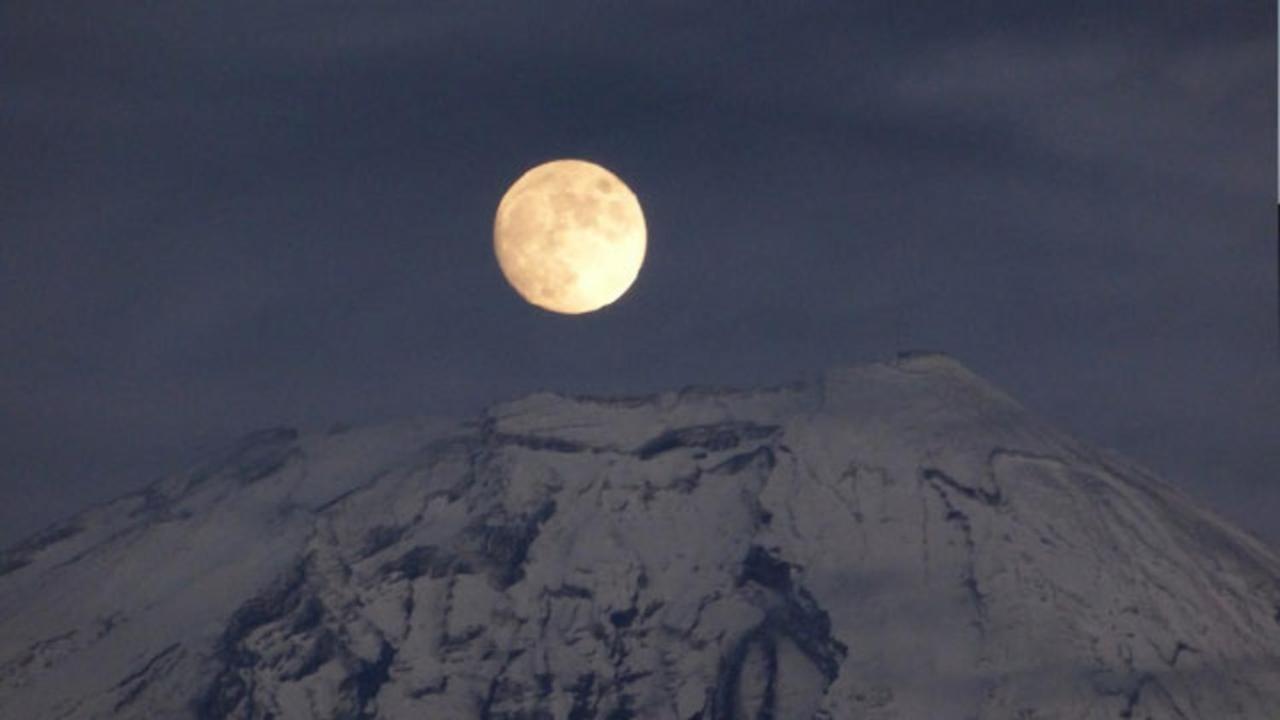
(216, 217)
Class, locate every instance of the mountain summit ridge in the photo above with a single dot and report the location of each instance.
(897, 540)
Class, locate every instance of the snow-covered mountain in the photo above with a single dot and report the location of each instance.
(893, 541)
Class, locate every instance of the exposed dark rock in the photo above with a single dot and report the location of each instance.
(436, 688)
(621, 712)
(1134, 696)
(140, 679)
(105, 624)
(448, 641)
(380, 538)
(506, 545)
(229, 688)
(10, 564)
(539, 442)
(765, 570)
(584, 702)
(1178, 650)
(20, 555)
(153, 502)
(319, 651)
(570, 591)
(308, 617)
(426, 560)
(792, 614)
(368, 679)
(979, 494)
(940, 485)
(713, 438)
(623, 618)
(276, 602)
(256, 456)
(762, 456)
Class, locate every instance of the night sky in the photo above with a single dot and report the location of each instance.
(217, 217)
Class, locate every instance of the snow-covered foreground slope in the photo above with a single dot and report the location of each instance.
(893, 541)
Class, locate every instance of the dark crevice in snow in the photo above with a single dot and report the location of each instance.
(426, 561)
(506, 545)
(140, 679)
(1135, 688)
(619, 654)
(683, 484)
(1172, 659)
(769, 703)
(961, 520)
(341, 497)
(764, 569)
(567, 590)
(760, 457)
(1134, 695)
(48, 537)
(256, 456)
(231, 684)
(147, 666)
(791, 613)
(436, 688)
(107, 623)
(368, 679)
(622, 712)
(712, 438)
(584, 699)
(49, 642)
(9, 564)
(724, 697)
(978, 494)
(20, 555)
(308, 617)
(540, 442)
(320, 651)
(505, 692)
(623, 618)
(381, 537)
(449, 641)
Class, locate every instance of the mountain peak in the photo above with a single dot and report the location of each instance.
(891, 540)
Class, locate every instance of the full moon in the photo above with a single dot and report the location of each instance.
(569, 236)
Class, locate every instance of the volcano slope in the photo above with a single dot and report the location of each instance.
(899, 540)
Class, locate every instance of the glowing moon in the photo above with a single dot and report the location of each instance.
(569, 236)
